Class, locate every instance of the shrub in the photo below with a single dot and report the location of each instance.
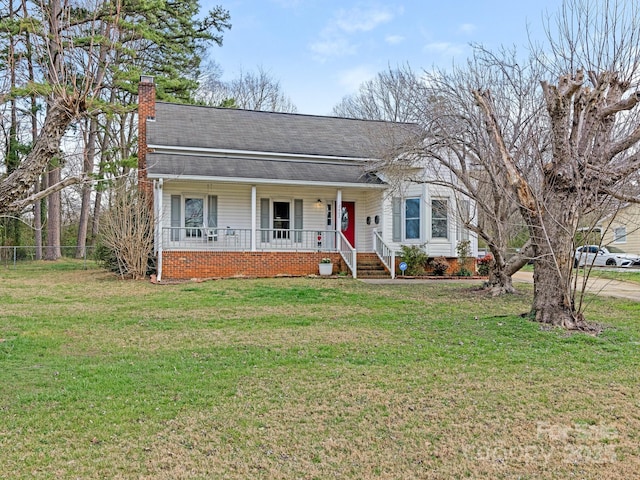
(484, 264)
(415, 257)
(463, 249)
(439, 266)
(126, 234)
(106, 257)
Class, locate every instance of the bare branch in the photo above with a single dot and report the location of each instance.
(21, 204)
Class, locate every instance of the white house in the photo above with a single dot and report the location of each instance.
(249, 193)
(622, 229)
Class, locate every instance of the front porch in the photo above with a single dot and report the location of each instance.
(210, 230)
(186, 253)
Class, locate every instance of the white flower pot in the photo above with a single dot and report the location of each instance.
(325, 268)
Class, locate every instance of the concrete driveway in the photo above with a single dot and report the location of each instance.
(598, 286)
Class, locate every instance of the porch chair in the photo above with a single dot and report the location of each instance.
(230, 236)
(210, 233)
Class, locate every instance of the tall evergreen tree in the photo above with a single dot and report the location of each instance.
(85, 52)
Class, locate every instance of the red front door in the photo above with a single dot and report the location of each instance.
(348, 222)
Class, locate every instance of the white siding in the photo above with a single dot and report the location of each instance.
(234, 204)
(628, 217)
(434, 246)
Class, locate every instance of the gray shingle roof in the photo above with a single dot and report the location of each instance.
(161, 164)
(208, 127)
(328, 149)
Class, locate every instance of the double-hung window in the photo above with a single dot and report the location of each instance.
(406, 221)
(193, 213)
(412, 218)
(439, 218)
(194, 216)
(620, 235)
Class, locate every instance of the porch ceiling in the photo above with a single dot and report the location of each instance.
(191, 166)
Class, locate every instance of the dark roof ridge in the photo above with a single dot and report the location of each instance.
(287, 113)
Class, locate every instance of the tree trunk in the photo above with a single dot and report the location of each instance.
(47, 146)
(552, 221)
(37, 222)
(97, 211)
(552, 228)
(54, 219)
(499, 283)
(552, 238)
(85, 209)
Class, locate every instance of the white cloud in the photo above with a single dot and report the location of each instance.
(361, 20)
(332, 46)
(445, 48)
(336, 38)
(394, 39)
(466, 28)
(354, 77)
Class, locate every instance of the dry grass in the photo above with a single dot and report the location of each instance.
(306, 378)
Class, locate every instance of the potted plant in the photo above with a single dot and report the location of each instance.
(325, 266)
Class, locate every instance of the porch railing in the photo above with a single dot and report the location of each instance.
(386, 255)
(239, 239)
(348, 253)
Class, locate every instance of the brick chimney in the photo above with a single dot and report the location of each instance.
(146, 112)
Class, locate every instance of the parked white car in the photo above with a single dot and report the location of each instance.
(604, 256)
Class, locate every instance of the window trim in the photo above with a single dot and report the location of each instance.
(445, 218)
(281, 233)
(418, 218)
(620, 238)
(179, 218)
(399, 219)
(193, 230)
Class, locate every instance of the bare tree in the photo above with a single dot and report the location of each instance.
(454, 150)
(250, 91)
(390, 96)
(466, 157)
(591, 96)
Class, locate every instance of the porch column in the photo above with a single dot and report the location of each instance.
(254, 212)
(338, 215)
(157, 221)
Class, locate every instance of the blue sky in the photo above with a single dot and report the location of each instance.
(322, 50)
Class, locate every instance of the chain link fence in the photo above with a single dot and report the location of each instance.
(14, 256)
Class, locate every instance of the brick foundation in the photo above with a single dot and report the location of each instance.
(181, 265)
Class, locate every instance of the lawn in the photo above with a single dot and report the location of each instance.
(306, 378)
(627, 275)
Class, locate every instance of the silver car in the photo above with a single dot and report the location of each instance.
(604, 256)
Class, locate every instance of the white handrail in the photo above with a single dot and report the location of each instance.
(244, 239)
(348, 253)
(386, 255)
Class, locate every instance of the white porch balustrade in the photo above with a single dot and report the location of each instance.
(240, 239)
